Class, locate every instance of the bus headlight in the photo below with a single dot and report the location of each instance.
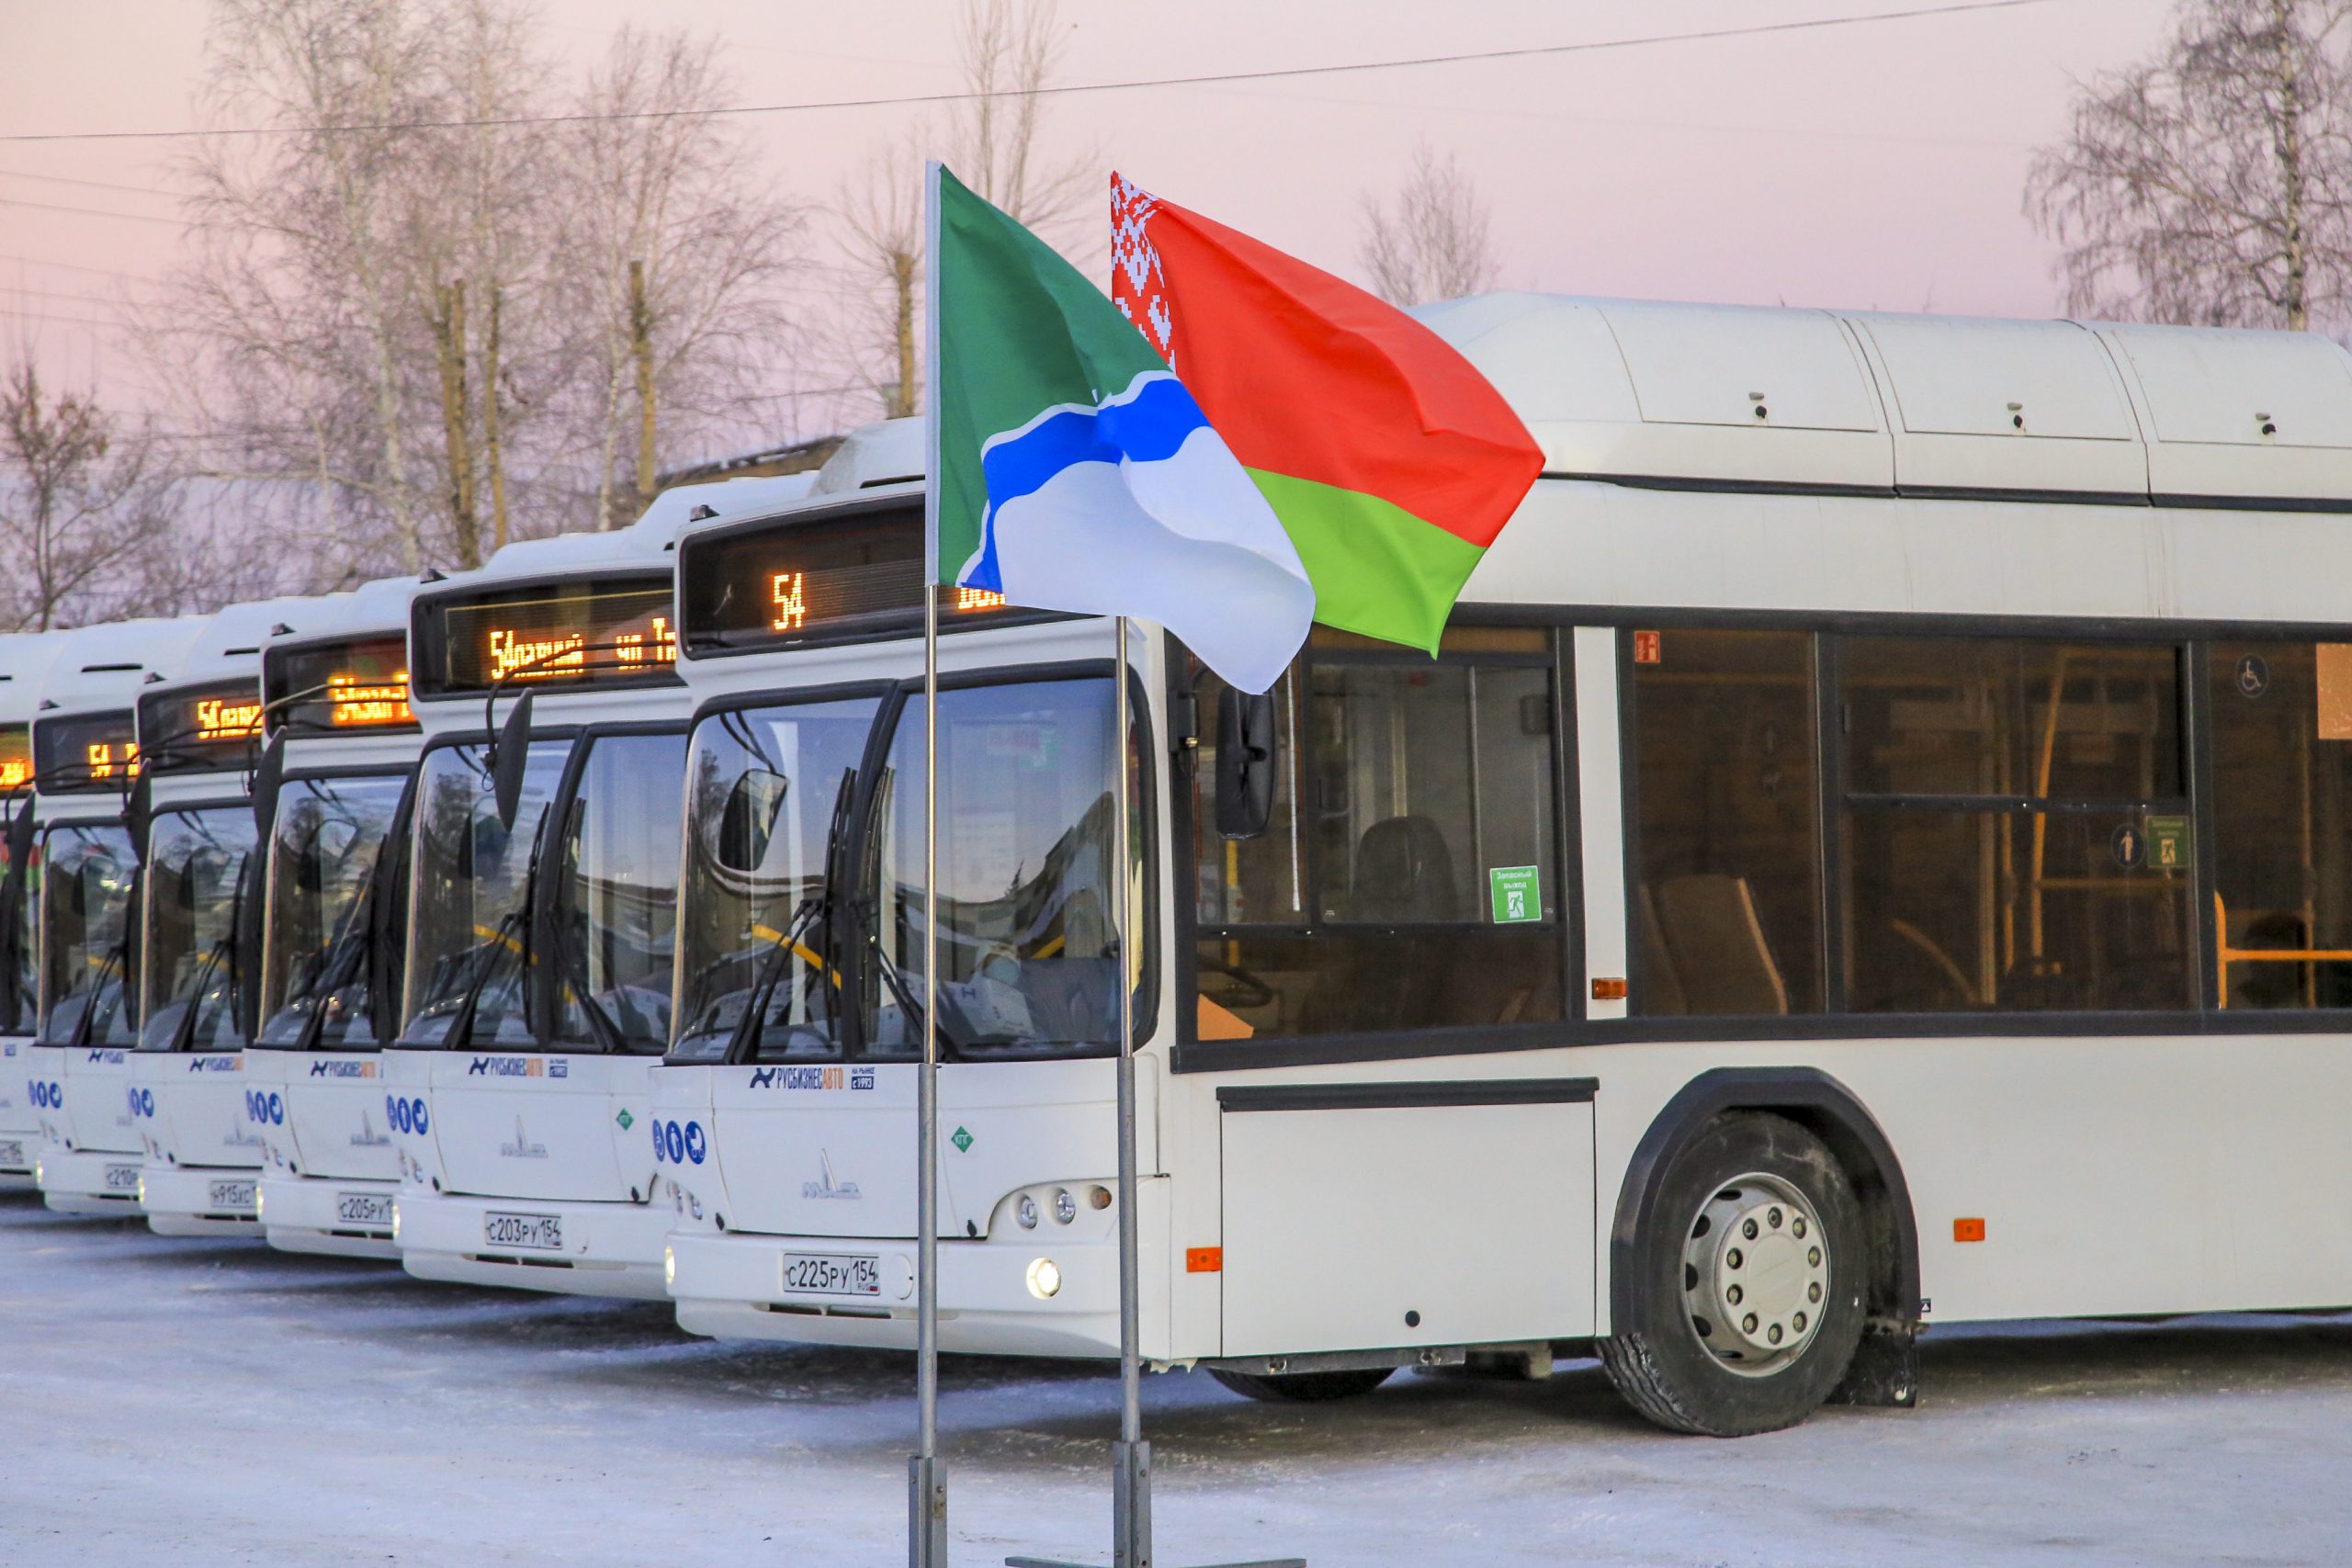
(1045, 1278)
(1026, 1213)
(1065, 1206)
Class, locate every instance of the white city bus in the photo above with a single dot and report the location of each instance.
(1873, 848)
(334, 805)
(200, 908)
(25, 660)
(542, 909)
(85, 910)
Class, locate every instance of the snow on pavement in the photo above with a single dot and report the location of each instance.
(205, 1402)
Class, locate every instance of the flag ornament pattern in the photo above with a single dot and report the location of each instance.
(1390, 462)
(1076, 472)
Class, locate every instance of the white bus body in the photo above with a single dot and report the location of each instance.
(1886, 789)
(24, 664)
(522, 1146)
(86, 911)
(330, 973)
(200, 898)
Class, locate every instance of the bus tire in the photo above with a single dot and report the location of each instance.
(1748, 1298)
(1302, 1387)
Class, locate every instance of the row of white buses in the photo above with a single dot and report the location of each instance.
(1873, 848)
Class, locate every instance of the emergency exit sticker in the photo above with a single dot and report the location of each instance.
(1517, 892)
(2168, 843)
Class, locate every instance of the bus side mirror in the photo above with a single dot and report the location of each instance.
(506, 767)
(20, 839)
(1245, 764)
(270, 777)
(138, 811)
(747, 822)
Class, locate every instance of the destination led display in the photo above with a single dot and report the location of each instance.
(16, 756)
(563, 634)
(789, 582)
(358, 685)
(202, 726)
(87, 754)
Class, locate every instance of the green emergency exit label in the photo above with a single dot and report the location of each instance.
(2168, 843)
(1517, 892)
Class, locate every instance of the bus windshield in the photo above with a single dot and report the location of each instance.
(617, 906)
(195, 909)
(329, 963)
(766, 789)
(87, 881)
(1028, 944)
(470, 960)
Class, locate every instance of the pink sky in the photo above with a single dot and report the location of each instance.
(1872, 165)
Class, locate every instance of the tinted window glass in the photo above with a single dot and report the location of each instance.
(1418, 887)
(469, 958)
(88, 959)
(329, 956)
(1727, 905)
(2280, 722)
(617, 910)
(197, 888)
(2063, 884)
(765, 789)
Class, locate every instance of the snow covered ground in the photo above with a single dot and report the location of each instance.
(205, 1402)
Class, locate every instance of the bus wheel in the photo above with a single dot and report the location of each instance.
(1304, 1388)
(1746, 1300)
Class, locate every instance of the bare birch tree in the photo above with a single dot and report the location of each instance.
(80, 499)
(671, 258)
(1007, 50)
(1435, 242)
(2212, 185)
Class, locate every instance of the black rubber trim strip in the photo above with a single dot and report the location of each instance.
(1407, 1095)
(2173, 501)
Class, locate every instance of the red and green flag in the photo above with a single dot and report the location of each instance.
(1389, 460)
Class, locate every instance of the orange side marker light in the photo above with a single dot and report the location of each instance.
(1608, 988)
(1204, 1260)
(1968, 1230)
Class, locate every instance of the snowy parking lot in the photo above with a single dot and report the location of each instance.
(202, 1402)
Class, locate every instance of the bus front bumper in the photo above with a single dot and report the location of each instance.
(598, 1249)
(336, 1217)
(89, 1181)
(18, 1147)
(992, 1297)
(200, 1199)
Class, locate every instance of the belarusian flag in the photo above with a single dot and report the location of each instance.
(1392, 463)
(1076, 473)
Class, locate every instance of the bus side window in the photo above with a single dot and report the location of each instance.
(2281, 737)
(1726, 901)
(1409, 876)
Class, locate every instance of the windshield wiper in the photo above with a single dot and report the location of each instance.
(112, 964)
(743, 1038)
(183, 1033)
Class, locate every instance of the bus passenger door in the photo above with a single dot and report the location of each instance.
(1372, 1216)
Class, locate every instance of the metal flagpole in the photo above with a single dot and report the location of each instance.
(926, 1480)
(1131, 1457)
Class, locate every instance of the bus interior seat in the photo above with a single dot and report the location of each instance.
(1725, 964)
(1662, 995)
(1404, 875)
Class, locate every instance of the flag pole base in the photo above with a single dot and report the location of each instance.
(926, 1513)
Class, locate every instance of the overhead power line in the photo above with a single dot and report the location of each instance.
(102, 212)
(914, 100)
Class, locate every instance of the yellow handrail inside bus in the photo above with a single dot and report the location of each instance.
(2226, 955)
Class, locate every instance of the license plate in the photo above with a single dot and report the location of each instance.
(123, 1179)
(12, 1152)
(232, 1195)
(832, 1274)
(364, 1208)
(538, 1233)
